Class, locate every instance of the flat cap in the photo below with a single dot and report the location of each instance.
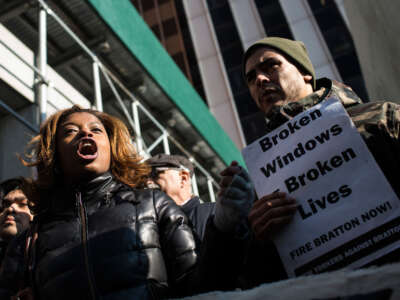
(166, 160)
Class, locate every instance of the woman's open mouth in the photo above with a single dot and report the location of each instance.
(87, 150)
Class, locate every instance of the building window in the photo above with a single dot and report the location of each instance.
(180, 61)
(273, 19)
(160, 2)
(169, 27)
(156, 31)
(135, 4)
(147, 5)
(340, 44)
(232, 54)
(191, 56)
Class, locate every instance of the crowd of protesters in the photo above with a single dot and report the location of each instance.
(98, 222)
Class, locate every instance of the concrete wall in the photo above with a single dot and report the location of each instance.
(375, 26)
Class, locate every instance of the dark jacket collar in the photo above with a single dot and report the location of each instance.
(190, 205)
(64, 197)
(326, 88)
(96, 186)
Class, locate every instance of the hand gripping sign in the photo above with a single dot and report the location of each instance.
(348, 214)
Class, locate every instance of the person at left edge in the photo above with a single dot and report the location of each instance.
(98, 236)
(15, 215)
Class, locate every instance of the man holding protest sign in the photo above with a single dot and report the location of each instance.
(315, 153)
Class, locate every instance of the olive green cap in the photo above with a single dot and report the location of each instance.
(295, 51)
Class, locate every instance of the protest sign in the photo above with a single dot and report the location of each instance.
(348, 214)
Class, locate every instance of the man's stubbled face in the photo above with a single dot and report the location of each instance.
(273, 80)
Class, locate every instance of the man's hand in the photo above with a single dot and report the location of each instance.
(235, 198)
(270, 213)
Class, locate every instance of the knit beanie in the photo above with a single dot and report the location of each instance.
(294, 50)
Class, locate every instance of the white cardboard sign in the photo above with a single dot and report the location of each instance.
(348, 214)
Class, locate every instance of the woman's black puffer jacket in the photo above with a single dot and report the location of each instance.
(105, 240)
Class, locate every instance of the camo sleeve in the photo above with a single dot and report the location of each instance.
(379, 125)
(383, 115)
(391, 121)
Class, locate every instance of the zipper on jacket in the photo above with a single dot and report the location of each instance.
(84, 235)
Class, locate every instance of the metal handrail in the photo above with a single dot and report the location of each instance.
(60, 22)
(32, 67)
(156, 143)
(133, 98)
(15, 76)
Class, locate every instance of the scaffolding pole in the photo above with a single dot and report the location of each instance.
(136, 120)
(97, 87)
(210, 189)
(42, 65)
(195, 188)
(165, 143)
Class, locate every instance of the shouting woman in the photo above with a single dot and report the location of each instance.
(95, 236)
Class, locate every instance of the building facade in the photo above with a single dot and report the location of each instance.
(101, 54)
(376, 47)
(220, 31)
(171, 69)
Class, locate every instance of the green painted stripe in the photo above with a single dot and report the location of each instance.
(129, 26)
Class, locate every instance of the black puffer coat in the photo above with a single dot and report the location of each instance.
(198, 214)
(105, 240)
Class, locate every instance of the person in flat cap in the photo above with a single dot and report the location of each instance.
(281, 79)
(173, 174)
